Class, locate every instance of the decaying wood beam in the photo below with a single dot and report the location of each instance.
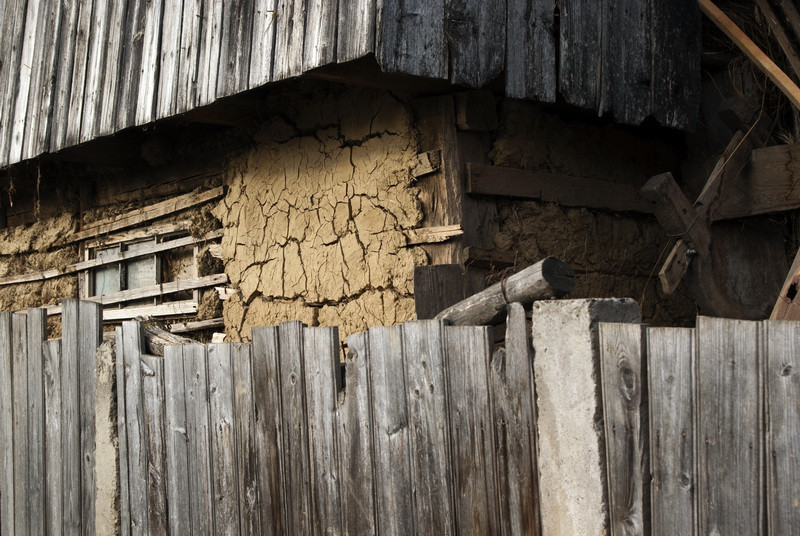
(791, 14)
(177, 308)
(675, 213)
(548, 278)
(787, 306)
(432, 235)
(780, 35)
(427, 162)
(489, 259)
(157, 336)
(729, 166)
(198, 325)
(675, 267)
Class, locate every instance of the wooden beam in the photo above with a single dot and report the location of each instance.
(751, 50)
(432, 235)
(198, 325)
(489, 259)
(787, 306)
(791, 14)
(729, 166)
(178, 308)
(138, 233)
(427, 162)
(675, 213)
(737, 114)
(436, 288)
(781, 36)
(675, 267)
(555, 187)
(148, 213)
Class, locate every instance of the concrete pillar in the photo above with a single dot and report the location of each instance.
(571, 441)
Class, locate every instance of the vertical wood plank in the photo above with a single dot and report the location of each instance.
(52, 437)
(211, 39)
(355, 441)
(148, 72)
(247, 463)
(7, 505)
(515, 425)
(436, 288)
(580, 52)
(783, 410)
(19, 337)
(411, 38)
(169, 58)
(63, 75)
(189, 50)
(321, 359)
(122, 434)
(154, 422)
(135, 422)
(98, 48)
(36, 334)
(531, 50)
(263, 42)
(41, 82)
(223, 446)
(199, 444)
(670, 368)
(24, 75)
(468, 352)
(294, 431)
(90, 326)
(12, 30)
(290, 30)
(393, 500)
(476, 33)
(234, 61)
(268, 425)
(131, 64)
(70, 410)
(319, 42)
(175, 439)
(621, 373)
(729, 427)
(426, 397)
(355, 36)
(111, 72)
(80, 58)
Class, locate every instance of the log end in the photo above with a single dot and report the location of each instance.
(559, 276)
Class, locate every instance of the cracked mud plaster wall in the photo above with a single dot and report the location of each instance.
(315, 210)
(613, 254)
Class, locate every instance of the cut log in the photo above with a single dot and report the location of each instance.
(156, 336)
(787, 307)
(548, 278)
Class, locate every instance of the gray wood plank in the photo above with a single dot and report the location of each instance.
(436, 288)
(186, 91)
(148, 72)
(580, 53)
(112, 68)
(175, 439)
(263, 42)
(411, 39)
(70, 411)
(7, 504)
(729, 427)
(135, 427)
(290, 30)
(531, 50)
(51, 376)
(355, 441)
(210, 43)
(90, 326)
(319, 41)
(12, 27)
(122, 435)
(512, 387)
(169, 59)
(154, 425)
(36, 335)
(476, 34)
(247, 463)
(426, 399)
(391, 443)
(321, 364)
(80, 57)
(237, 34)
(294, 430)
(355, 37)
(783, 410)
(24, 76)
(267, 429)
(93, 95)
(468, 352)
(223, 445)
(621, 357)
(41, 65)
(199, 444)
(63, 75)
(19, 339)
(130, 64)
(670, 368)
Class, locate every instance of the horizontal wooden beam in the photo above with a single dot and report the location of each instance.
(483, 179)
(139, 233)
(178, 308)
(489, 259)
(186, 327)
(432, 235)
(144, 214)
(426, 163)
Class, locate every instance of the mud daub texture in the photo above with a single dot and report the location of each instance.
(314, 213)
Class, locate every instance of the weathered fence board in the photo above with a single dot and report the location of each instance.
(531, 50)
(122, 435)
(90, 330)
(476, 34)
(7, 504)
(19, 376)
(52, 445)
(244, 421)
(154, 430)
(176, 441)
(197, 428)
(36, 335)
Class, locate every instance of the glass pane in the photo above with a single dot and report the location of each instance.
(106, 278)
(140, 272)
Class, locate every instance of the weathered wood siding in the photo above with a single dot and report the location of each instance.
(74, 70)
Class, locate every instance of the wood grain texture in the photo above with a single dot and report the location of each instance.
(263, 42)
(188, 71)
(169, 57)
(234, 61)
(12, 27)
(130, 63)
(7, 505)
(437, 288)
(47, 26)
(27, 73)
(175, 440)
(355, 36)
(411, 40)
(729, 426)
(111, 71)
(36, 336)
(51, 376)
(476, 34)
(289, 35)
(154, 427)
(531, 38)
(783, 411)
(90, 328)
(580, 53)
(19, 338)
(80, 58)
(93, 97)
(148, 71)
(122, 434)
(319, 43)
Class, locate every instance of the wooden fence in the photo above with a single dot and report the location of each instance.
(47, 421)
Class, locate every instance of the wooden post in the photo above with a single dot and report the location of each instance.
(437, 288)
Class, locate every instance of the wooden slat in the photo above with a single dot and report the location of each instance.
(122, 435)
(199, 441)
(21, 450)
(783, 411)
(41, 82)
(169, 59)
(294, 432)
(263, 42)
(436, 288)
(223, 446)
(355, 441)
(12, 27)
(563, 189)
(356, 29)
(36, 335)
(80, 58)
(247, 463)
(234, 61)
(267, 429)
(675, 213)
(411, 40)
(95, 64)
(211, 39)
(627, 62)
(111, 70)
(135, 432)
(621, 358)
(175, 439)
(468, 352)
(515, 425)
(426, 399)
(197, 325)
(26, 73)
(63, 75)
(70, 411)
(190, 36)
(319, 40)
(729, 427)
(322, 383)
(90, 333)
(531, 50)
(431, 235)
(580, 52)
(51, 376)
(179, 308)
(148, 77)
(130, 64)
(154, 427)
(7, 504)
(476, 33)
(289, 27)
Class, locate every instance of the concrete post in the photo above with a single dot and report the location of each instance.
(571, 440)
